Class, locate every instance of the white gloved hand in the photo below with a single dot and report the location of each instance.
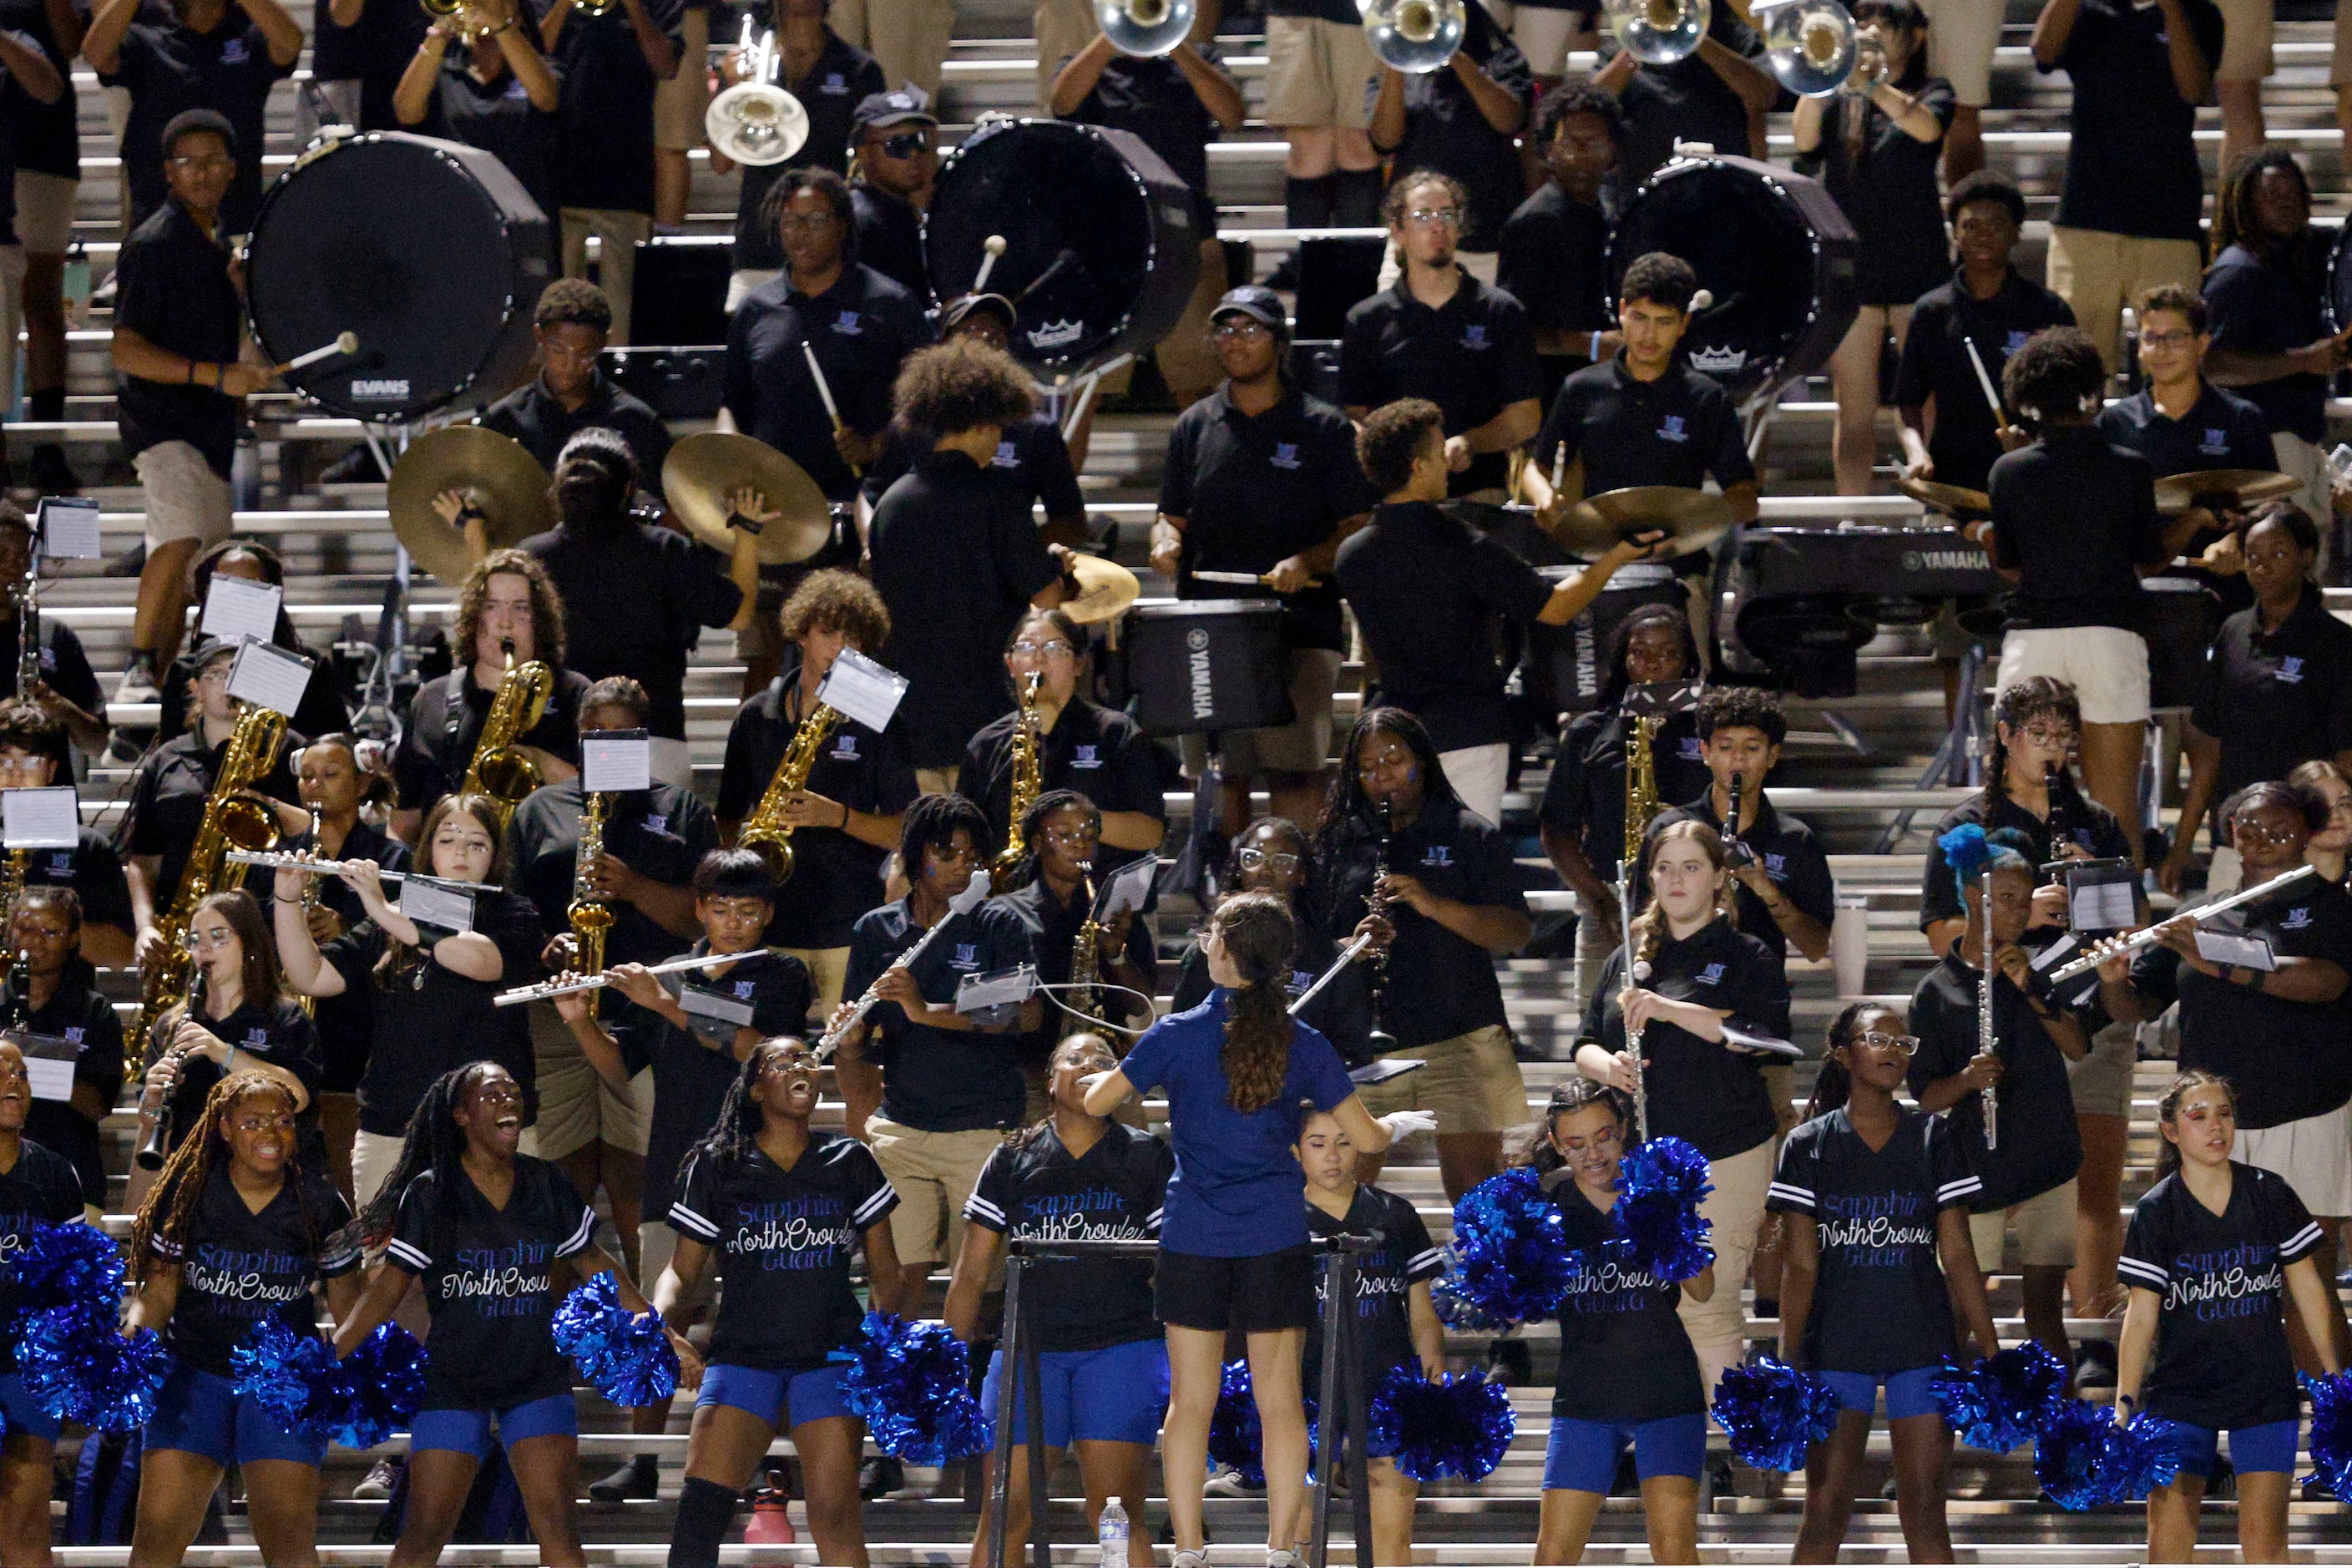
(1404, 1124)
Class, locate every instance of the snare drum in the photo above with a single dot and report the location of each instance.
(2181, 616)
(1198, 666)
(1568, 665)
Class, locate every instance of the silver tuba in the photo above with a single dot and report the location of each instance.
(1416, 36)
(1659, 32)
(755, 122)
(1810, 45)
(1145, 29)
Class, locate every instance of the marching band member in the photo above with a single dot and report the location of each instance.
(1628, 1376)
(64, 687)
(1081, 746)
(237, 1228)
(1878, 1266)
(787, 1314)
(570, 394)
(1710, 987)
(845, 816)
(37, 1187)
(488, 1233)
(2328, 792)
(1233, 1244)
(2219, 1253)
(33, 755)
(508, 601)
(52, 992)
(1102, 1359)
(321, 709)
(1274, 858)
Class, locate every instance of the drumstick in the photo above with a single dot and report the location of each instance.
(1991, 397)
(1244, 579)
(1066, 255)
(824, 391)
(1085, 399)
(347, 343)
(1558, 468)
(995, 248)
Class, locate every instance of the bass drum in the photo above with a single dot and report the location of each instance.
(1101, 245)
(1773, 250)
(430, 251)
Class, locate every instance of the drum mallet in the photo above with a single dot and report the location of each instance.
(1992, 398)
(994, 248)
(344, 344)
(824, 391)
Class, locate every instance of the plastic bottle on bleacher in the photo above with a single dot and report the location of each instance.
(1110, 1535)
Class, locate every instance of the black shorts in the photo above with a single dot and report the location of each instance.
(1248, 1295)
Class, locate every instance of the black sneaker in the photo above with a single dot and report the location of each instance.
(636, 1479)
(880, 1477)
(1509, 1361)
(2316, 1489)
(2094, 1364)
(51, 474)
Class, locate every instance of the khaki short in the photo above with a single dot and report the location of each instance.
(828, 968)
(936, 780)
(1301, 746)
(45, 211)
(679, 102)
(2339, 60)
(2247, 27)
(2045, 1232)
(2101, 1082)
(576, 1106)
(1545, 36)
(1961, 37)
(2098, 273)
(2107, 665)
(934, 1174)
(1316, 72)
(374, 1157)
(1471, 1084)
(618, 234)
(185, 500)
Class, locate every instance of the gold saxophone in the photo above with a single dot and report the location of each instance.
(591, 919)
(1086, 965)
(766, 830)
(230, 821)
(500, 769)
(11, 883)
(1027, 785)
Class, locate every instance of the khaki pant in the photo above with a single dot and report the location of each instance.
(1719, 1326)
(374, 1157)
(936, 780)
(1471, 1084)
(828, 967)
(1063, 27)
(619, 234)
(2045, 1231)
(2097, 274)
(1188, 363)
(908, 38)
(934, 1174)
(576, 1106)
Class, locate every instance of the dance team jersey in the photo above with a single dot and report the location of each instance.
(1624, 1353)
(41, 1188)
(1384, 1279)
(238, 1266)
(1031, 1188)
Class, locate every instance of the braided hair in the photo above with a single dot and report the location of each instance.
(734, 1135)
(2167, 1113)
(434, 1143)
(1650, 925)
(1027, 870)
(170, 1209)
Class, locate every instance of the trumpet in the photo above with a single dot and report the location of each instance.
(464, 17)
(1146, 28)
(1416, 35)
(2117, 947)
(548, 989)
(276, 860)
(1659, 32)
(1810, 45)
(755, 122)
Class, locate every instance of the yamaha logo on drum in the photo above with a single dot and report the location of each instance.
(1943, 560)
(1056, 335)
(1719, 361)
(386, 389)
(1204, 697)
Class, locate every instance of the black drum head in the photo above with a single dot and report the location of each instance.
(429, 251)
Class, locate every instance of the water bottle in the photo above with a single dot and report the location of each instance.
(1110, 1535)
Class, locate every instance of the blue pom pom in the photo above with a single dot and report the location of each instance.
(66, 1266)
(1236, 1443)
(1455, 1427)
(2073, 1458)
(77, 1366)
(626, 1356)
(1512, 1255)
(1659, 1185)
(1454, 1310)
(1966, 850)
(1773, 1413)
(2001, 1402)
(291, 1376)
(911, 1384)
(2143, 1455)
(2331, 1429)
(378, 1388)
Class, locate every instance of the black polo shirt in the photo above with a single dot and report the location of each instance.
(283, 1036)
(78, 1014)
(604, 113)
(1151, 99)
(444, 727)
(2074, 515)
(674, 587)
(2131, 164)
(532, 415)
(173, 288)
(1255, 490)
(835, 877)
(1791, 858)
(167, 802)
(2276, 699)
(1680, 429)
(1099, 751)
(48, 135)
(1474, 357)
(346, 1023)
(2079, 820)
(1553, 258)
(64, 668)
(498, 117)
(318, 711)
(1445, 130)
(662, 833)
(2040, 1148)
(1702, 1090)
(1427, 590)
(374, 51)
(941, 1081)
(1935, 364)
(1033, 1190)
(842, 75)
(694, 1068)
(1440, 986)
(957, 559)
(1053, 928)
(1585, 796)
(1884, 179)
(1341, 1012)
(1684, 102)
(891, 239)
(2220, 430)
(2269, 305)
(93, 870)
(862, 328)
(168, 67)
(1031, 457)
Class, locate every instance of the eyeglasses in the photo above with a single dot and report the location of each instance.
(2048, 736)
(1901, 1044)
(907, 145)
(249, 1125)
(2165, 339)
(203, 163)
(1607, 1138)
(1449, 218)
(804, 221)
(1261, 859)
(1228, 331)
(2249, 833)
(1053, 647)
(792, 1061)
(1075, 838)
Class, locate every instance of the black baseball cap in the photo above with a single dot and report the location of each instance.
(1257, 303)
(900, 106)
(957, 312)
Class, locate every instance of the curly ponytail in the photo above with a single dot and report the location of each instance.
(1259, 939)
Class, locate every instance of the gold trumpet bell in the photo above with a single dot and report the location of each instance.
(1659, 32)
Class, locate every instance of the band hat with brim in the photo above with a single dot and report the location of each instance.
(908, 105)
(959, 311)
(211, 650)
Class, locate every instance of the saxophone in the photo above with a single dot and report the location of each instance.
(591, 919)
(500, 769)
(1086, 965)
(12, 882)
(1027, 785)
(766, 830)
(230, 821)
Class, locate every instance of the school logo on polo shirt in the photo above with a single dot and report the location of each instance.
(234, 53)
(1285, 455)
(61, 863)
(656, 822)
(1299, 981)
(1673, 428)
(845, 748)
(1473, 336)
(966, 957)
(1008, 456)
(257, 1039)
(2297, 918)
(2291, 670)
(1777, 868)
(515, 89)
(1711, 976)
(2014, 342)
(833, 84)
(2215, 443)
(743, 989)
(848, 324)
(1438, 855)
(1693, 749)
(1085, 757)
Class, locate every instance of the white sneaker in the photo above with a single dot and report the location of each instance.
(379, 1482)
(1189, 1560)
(1281, 1559)
(1229, 1483)
(137, 685)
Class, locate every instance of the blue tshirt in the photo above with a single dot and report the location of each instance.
(1237, 1191)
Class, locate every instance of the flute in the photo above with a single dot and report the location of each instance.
(2116, 947)
(277, 860)
(1355, 950)
(1987, 1044)
(971, 897)
(548, 988)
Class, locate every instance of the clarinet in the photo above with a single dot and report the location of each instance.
(1985, 1040)
(2054, 824)
(1379, 1040)
(153, 1149)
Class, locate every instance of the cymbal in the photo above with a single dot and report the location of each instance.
(2231, 487)
(1945, 498)
(704, 469)
(1106, 589)
(1692, 519)
(505, 481)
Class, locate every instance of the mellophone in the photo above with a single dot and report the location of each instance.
(277, 860)
(2116, 947)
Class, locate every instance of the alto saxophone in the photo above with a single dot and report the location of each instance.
(591, 918)
(1086, 965)
(500, 769)
(1026, 784)
(766, 830)
(230, 821)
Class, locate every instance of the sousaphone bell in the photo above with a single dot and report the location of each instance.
(1415, 36)
(1146, 28)
(755, 122)
(1810, 45)
(1659, 32)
